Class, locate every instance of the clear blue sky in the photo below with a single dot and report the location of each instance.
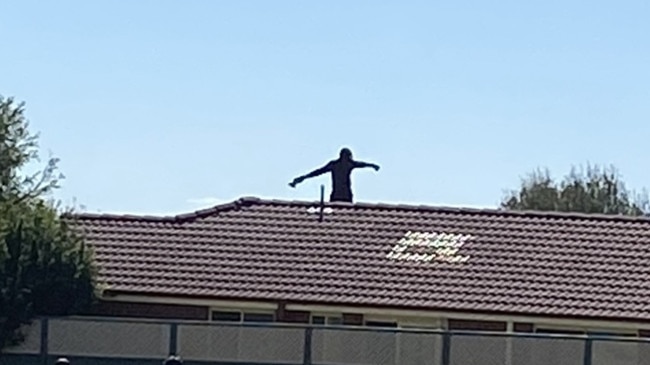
(170, 106)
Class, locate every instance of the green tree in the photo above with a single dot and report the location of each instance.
(45, 268)
(593, 189)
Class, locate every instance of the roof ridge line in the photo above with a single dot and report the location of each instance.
(470, 210)
(246, 201)
(160, 218)
(239, 203)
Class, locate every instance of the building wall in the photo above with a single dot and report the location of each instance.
(288, 313)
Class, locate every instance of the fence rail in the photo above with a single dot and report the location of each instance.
(90, 341)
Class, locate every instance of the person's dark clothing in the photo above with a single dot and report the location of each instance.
(341, 171)
(341, 179)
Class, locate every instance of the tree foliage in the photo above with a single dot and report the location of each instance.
(593, 189)
(45, 268)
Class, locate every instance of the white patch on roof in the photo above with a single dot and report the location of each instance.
(316, 210)
(432, 246)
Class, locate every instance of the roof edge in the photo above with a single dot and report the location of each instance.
(466, 210)
(247, 201)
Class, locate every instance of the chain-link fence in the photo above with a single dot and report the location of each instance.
(94, 341)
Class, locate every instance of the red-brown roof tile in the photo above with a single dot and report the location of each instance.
(534, 263)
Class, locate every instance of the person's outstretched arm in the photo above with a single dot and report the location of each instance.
(361, 164)
(317, 172)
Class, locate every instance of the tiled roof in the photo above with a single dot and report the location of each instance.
(532, 263)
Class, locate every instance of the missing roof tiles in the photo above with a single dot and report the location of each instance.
(429, 246)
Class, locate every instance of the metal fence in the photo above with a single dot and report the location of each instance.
(93, 341)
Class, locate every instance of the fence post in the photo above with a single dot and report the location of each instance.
(446, 348)
(306, 359)
(45, 327)
(588, 351)
(173, 339)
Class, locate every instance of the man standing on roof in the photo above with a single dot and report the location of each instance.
(341, 170)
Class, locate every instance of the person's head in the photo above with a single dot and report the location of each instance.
(345, 154)
(62, 361)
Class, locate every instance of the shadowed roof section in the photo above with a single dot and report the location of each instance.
(492, 261)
